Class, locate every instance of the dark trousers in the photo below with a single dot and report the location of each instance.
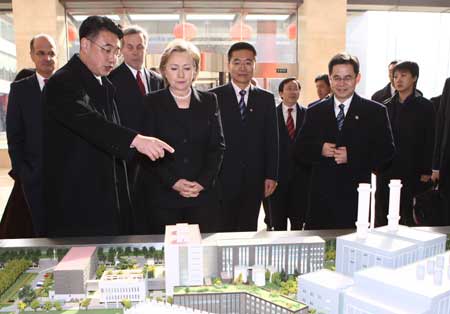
(241, 212)
(288, 201)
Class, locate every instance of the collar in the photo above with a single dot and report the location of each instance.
(346, 104)
(392, 89)
(40, 79)
(285, 108)
(134, 71)
(237, 89)
(98, 78)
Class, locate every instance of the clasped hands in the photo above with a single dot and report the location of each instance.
(187, 188)
(338, 153)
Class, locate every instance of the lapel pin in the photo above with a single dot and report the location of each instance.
(356, 117)
(251, 110)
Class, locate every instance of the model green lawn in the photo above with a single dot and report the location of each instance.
(271, 296)
(81, 311)
(11, 293)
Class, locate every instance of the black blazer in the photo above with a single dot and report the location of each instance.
(197, 137)
(383, 94)
(441, 156)
(413, 125)
(287, 167)
(24, 128)
(368, 137)
(128, 96)
(82, 142)
(252, 146)
(24, 134)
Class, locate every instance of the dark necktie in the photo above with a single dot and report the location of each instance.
(45, 81)
(290, 124)
(242, 103)
(140, 83)
(340, 117)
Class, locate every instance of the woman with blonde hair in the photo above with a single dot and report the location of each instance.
(181, 187)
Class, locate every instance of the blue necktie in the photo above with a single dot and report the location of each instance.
(242, 104)
(340, 117)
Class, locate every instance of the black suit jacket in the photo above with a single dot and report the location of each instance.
(287, 166)
(368, 137)
(128, 96)
(441, 154)
(197, 137)
(24, 134)
(251, 155)
(82, 142)
(383, 94)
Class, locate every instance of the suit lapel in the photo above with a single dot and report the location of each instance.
(36, 89)
(149, 81)
(299, 119)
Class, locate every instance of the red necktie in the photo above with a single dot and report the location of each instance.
(290, 124)
(45, 81)
(140, 83)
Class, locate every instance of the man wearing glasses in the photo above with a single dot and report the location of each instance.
(24, 128)
(344, 139)
(86, 189)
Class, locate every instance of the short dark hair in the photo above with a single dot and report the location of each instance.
(322, 77)
(410, 66)
(92, 25)
(135, 29)
(240, 45)
(287, 80)
(393, 62)
(344, 58)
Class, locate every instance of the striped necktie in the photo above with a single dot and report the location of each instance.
(290, 124)
(340, 117)
(242, 103)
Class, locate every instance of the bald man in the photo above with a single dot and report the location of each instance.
(24, 127)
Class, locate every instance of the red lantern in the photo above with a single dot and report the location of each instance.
(185, 30)
(241, 31)
(72, 33)
(292, 31)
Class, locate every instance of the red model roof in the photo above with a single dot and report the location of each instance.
(76, 259)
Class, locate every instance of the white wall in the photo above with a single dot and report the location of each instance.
(380, 37)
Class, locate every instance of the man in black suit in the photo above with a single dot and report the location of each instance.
(86, 191)
(131, 79)
(250, 165)
(344, 138)
(389, 90)
(290, 197)
(413, 122)
(441, 156)
(24, 128)
(323, 88)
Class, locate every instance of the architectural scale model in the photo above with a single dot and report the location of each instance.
(387, 270)
(127, 284)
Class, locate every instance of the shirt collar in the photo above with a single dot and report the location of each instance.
(134, 71)
(98, 78)
(392, 89)
(285, 108)
(41, 81)
(346, 103)
(237, 89)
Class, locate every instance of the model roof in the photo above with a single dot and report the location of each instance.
(76, 259)
(327, 278)
(379, 242)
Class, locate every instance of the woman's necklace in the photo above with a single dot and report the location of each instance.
(181, 97)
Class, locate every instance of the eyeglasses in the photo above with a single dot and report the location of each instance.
(346, 79)
(108, 49)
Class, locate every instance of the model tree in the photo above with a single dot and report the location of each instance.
(27, 294)
(21, 306)
(85, 303)
(57, 305)
(47, 306)
(35, 304)
(126, 304)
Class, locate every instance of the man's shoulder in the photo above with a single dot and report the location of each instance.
(155, 75)
(219, 90)
(261, 91)
(118, 72)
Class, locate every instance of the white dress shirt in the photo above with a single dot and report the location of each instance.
(293, 113)
(41, 82)
(237, 89)
(143, 76)
(346, 104)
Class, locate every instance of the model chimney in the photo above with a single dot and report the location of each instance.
(394, 204)
(362, 224)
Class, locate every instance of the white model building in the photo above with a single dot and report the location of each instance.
(118, 285)
(419, 288)
(323, 290)
(387, 267)
(183, 256)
